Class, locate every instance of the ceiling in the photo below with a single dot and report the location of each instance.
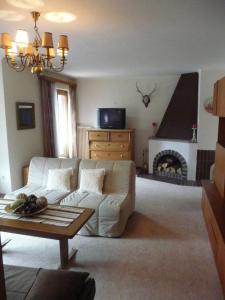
(133, 38)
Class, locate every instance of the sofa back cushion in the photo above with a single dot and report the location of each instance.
(118, 174)
(39, 167)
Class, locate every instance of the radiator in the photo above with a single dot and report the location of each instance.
(82, 142)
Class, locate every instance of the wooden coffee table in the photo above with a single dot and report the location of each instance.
(57, 222)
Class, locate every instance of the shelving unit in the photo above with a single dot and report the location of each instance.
(213, 197)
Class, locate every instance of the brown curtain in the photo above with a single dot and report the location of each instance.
(2, 279)
(47, 98)
(72, 91)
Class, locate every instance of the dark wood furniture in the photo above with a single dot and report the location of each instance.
(49, 231)
(2, 278)
(213, 198)
(111, 144)
(219, 98)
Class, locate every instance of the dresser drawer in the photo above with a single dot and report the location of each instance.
(98, 146)
(115, 146)
(110, 155)
(110, 146)
(119, 136)
(98, 136)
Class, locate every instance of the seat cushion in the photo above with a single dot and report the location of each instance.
(110, 216)
(53, 196)
(32, 283)
(18, 281)
(58, 285)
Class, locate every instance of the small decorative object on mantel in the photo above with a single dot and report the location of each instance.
(25, 115)
(208, 105)
(194, 129)
(146, 98)
(154, 126)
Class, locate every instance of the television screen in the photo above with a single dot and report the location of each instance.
(111, 118)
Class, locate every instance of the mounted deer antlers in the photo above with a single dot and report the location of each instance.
(146, 99)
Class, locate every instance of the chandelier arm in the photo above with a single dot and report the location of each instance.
(14, 66)
(60, 67)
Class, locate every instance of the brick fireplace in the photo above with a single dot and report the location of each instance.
(172, 158)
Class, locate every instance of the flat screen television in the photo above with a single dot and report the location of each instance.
(111, 118)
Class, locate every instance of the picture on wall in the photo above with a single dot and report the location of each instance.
(25, 115)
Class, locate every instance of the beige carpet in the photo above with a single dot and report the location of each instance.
(164, 253)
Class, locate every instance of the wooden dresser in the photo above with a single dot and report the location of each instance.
(213, 198)
(111, 144)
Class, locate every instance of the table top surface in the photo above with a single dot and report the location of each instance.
(56, 222)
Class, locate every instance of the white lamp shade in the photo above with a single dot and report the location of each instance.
(51, 52)
(13, 50)
(21, 38)
(60, 52)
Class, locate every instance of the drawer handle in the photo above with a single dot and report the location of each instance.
(121, 146)
(121, 155)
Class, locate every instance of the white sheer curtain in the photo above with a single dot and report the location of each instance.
(64, 121)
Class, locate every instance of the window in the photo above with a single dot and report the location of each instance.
(63, 131)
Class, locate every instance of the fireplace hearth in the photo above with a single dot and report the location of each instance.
(173, 158)
(169, 163)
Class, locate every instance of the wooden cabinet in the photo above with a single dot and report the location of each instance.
(213, 206)
(25, 171)
(219, 172)
(111, 144)
(219, 98)
(213, 197)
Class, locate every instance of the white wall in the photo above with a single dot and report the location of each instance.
(207, 123)
(5, 179)
(22, 144)
(94, 93)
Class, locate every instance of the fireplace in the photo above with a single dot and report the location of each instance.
(173, 158)
(170, 163)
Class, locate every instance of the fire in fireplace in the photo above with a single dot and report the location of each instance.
(169, 163)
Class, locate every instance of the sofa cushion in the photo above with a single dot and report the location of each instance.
(108, 218)
(58, 285)
(35, 283)
(53, 196)
(18, 281)
(59, 179)
(91, 180)
(39, 166)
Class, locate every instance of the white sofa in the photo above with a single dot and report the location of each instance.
(38, 175)
(112, 208)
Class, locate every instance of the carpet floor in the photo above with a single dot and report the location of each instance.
(163, 254)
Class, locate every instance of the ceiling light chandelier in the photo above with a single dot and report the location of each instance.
(38, 55)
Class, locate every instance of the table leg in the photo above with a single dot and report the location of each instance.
(64, 253)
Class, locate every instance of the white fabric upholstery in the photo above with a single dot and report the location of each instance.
(91, 180)
(113, 208)
(38, 176)
(59, 179)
